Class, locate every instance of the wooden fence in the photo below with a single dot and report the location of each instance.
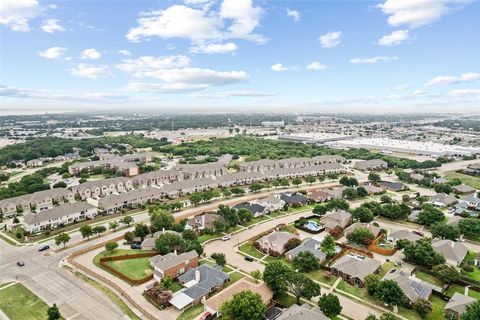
(133, 282)
(375, 248)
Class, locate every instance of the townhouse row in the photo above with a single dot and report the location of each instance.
(267, 164)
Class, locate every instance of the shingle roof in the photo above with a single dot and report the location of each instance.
(451, 250)
(171, 260)
(459, 302)
(358, 268)
(412, 287)
(303, 312)
(57, 212)
(210, 277)
(310, 245)
(99, 183)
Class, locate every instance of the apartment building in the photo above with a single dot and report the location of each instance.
(185, 187)
(102, 188)
(133, 198)
(156, 178)
(371, 165)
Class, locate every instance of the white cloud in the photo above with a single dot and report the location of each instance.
(52, 26)
(52, 53)
(403, 86)
(416, 13)
(294, 14)
(419, 93)
(331, 39)
(214, 48)
(15, 14)
(231, 94)
(145, 64)
(315, 65)
(124, 53)
(465, 92)
(91, 72)
(236, 19)
(278, 67)
(394, 38)
(464, 78)
(91, 54)
(373, 60)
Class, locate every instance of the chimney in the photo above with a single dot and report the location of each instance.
(175, 251)
(452, 243)
(197, 275)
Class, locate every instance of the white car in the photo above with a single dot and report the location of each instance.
(225, 238)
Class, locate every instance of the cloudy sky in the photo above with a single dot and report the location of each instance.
(240, 55)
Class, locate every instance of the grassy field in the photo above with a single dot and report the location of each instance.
(319, 275)
(133, 268)
(19, 303)
(465, 178)
(250, 250)
(206, 237)
(191, 313)
(461, 289)
(429, 278)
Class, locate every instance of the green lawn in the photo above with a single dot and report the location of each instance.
(429, 278)
(461, 289)
(256, 220)
(356, 291)
(286, 300)
(438, 308)
(191, 313)
(206, 237)
(319, 275)
(250, 250)
(133, 268)
(277, 214)
(176, 286)
(387, 266)
(234, 277)
(19, 303)
(465, 178)
(475, 274)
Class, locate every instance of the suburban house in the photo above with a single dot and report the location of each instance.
(393, 186)
(256, 209)
(412, 287)
(271, 203)
(463, 189)
(416, 177)
(204, 221)
(310, 245)
(339, 218)
(294, 199)
(457, 305)
(56, 216)
(443, 200)
(186, 187)
(172, 265)
(371, 189)
(402, 234)
(129, 199)
(354, 269)
(303, 312)
(274, 243)
(103, 187)
(214, 303)
(336, 193)
(35, 202)
(472, 201)
(319, 196)
(199, 282)
(474, 168)
(453, 251)
(358, 225)
(440, 180)
(148, 242)
(371, 165)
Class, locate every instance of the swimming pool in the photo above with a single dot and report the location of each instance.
(313, 226)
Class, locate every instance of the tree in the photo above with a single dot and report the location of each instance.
(429, 215)
(472, 312)
(237, 191)
(167, 242)
(229, 214)
(328, 246)
(86, 231)
(443, 188)
(226, 193)
(190, 245)
(422, 253)
(53, 313)
(320, 209)
(195, 198)
(305, 261)
(388, 316)
(470, 227)
(244, 305)
(337, 204)
(385, 199)
(128, 236)
(256, 274)
(302, 286)
(244, 215)
(110, 247)
(371, 283)
(349, 193)
(292, 243)
(98, 230)
(362, 214)
(60, 184)
(62, 238)
(445, 231)
(349, 182)
(141, 231)
(161, 219)
(330, 305)
(297, 182)
(423, 307)
(255, 187)
(374, 177)
(389, 292)
(113, 225)
(275, 275)
(361, 236)
(362, 192)
(127, 220)
(219, 258)
(310, 179)
(446, 273)
(395, 211)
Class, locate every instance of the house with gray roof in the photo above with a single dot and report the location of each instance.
(274, 243)
(204, 220)
(133, 198)
(271, 203)
(371, 165)
(239, 178)
(102, 187)
(338, 218)
(336, 193)
(173, 265)
(402, 234)
(463, 189)
(353, 268)
(156, 178)
(256, 209)
(472, 201)
(303, 312)
(393, 186)
(186, 187)
(311, 245)
(205, 170)
(453, 251)
(412, 287)
(57, 216)
(148, 242)
(457, 305)
(443, 200)
(363, 225)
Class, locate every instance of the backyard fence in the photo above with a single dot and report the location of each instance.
(133, 282)
(383, 251)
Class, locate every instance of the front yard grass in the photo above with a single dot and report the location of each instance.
(256, 220)
(250, 250)
(429, 278)
(133, 268)
(356, 291)
(191, 313)
(475, 274)
(19, 303)
(472, 181)
(205, 237)
(320, 276)
(234, 277)
(285, 300)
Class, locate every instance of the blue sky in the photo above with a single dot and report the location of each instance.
(240, 55)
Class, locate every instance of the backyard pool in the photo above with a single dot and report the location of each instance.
(313, 226)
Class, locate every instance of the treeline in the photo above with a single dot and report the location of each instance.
(52, 147)
(258, 148)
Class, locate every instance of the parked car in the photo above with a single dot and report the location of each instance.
(418, 233)
(225, 238)
(248, 258)
(135, 246)
(20, 263)
(44, 248)
(206, 316)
